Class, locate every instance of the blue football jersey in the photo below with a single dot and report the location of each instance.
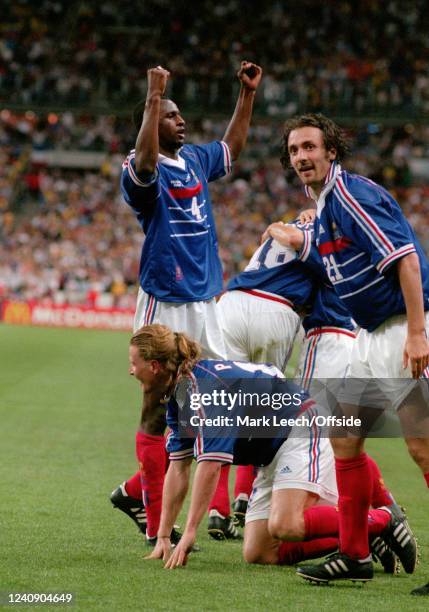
(328, 310)
(230, 446)
(360, 234)
(276, 269)
(179, 260)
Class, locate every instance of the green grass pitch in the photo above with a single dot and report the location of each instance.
(68, 416)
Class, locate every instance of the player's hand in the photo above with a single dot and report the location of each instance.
(416, 354)
(307, 216)
(286, 235)
(162, 550)
(179, 556)
(157, 81)
(250, 75)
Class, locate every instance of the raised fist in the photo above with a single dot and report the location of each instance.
(157, 80)
(250, 75)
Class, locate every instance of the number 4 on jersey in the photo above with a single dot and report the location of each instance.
(195, 209)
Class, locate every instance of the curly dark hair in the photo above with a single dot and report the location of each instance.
(333, 135)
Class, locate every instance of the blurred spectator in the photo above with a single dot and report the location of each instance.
(76, 69)
(71, 238)
(84, 54)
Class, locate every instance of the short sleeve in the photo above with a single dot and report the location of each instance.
(372, 219)
(138, 189)
(214, 158)
(310, 256)
(177, 446)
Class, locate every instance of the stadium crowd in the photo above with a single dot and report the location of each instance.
(78, 53)
(67, 236)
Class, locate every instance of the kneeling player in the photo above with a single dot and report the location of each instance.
(167, 364)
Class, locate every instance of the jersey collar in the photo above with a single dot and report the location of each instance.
(330, 179)
(167, 161)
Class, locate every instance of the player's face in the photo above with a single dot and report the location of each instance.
(309, 157)
(144, 370)
(171, 128)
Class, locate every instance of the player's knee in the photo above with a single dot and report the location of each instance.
(289, 528)
(347, 447)
(257, 554)
(419, 451)
(251, 554)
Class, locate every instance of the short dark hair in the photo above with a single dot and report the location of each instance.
(138, 112)
(333, 136)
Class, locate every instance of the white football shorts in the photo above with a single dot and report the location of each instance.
(325, 353)
(379, 355)
(200, 320)
(305, 463)
(259, 327)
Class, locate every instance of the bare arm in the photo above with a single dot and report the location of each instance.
(173, 495)
(153, 414)
(287, 235)
(307, 216)
(416, 350)
(204, 485)
(236, 132)
(147, 143)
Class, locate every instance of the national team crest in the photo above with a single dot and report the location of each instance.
(335, 231)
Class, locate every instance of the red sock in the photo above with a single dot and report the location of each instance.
(244, 477)
(151, 456)
(133, 486)
(321, 521)
(294, 552)
(355, 491)
(377, 521)
(381, 496)
(220, 499)
(426, 477)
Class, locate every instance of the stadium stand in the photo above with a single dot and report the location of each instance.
(67, 87)
(71, 54)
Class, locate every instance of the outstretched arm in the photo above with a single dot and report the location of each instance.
(173, 495)
(236, 132)
(416, 350)
(147, 143)
(203, 488)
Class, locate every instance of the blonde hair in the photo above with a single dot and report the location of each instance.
(175, 350)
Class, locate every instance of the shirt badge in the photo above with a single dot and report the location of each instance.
(336, 234)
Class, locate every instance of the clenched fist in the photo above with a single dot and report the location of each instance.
(157, 80)
(250, 75)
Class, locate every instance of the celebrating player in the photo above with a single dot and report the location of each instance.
(273, 282)
(372, 258)
(330, 331)
(168, 367)
(166, 183)
(259, 322)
